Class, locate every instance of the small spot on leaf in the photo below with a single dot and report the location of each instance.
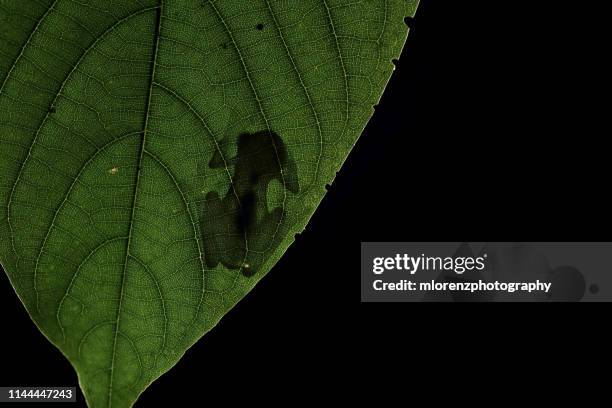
(247, 270)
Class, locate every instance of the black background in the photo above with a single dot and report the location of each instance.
(492, 128)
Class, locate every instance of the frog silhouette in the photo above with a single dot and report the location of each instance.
(238, 228)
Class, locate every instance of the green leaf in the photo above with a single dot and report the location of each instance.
(157, 158)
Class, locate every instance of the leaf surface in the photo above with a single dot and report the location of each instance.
(158, 157)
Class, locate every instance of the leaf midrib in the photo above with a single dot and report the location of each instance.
(156, 37)
(99, 149)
